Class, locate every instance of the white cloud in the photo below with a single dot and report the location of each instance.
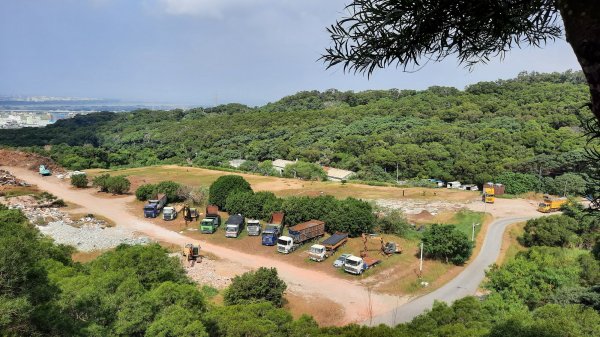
(206, 8)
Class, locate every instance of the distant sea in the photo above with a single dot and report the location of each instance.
(82, 106)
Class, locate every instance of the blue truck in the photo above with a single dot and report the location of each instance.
(154, 206)
(273, 229)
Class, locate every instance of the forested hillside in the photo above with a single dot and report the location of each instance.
(529, 124)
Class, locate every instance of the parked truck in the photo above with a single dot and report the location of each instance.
(357, 265)
(300, 234)
(328, 247)
(44, 171)
(551, 204)
(169, 213)
(211, 220)
(489, 195)
(154, 206)
(253, 228)
(234, 225)
(273, 229)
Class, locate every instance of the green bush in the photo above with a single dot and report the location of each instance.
(170, 189)
(102, 182)
(304, 170)
(79, 180)
(518, 183)
(393, 223)
(118, 185)
(446, 243)
(553, 231)
(145, 192)
(225, 185)
(261, 285)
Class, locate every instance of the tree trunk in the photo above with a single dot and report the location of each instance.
(582, 28)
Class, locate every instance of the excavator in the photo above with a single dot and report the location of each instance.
(192, 253)
(190, 214)
(386, 248)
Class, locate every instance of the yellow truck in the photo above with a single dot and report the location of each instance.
(551, 204)
(489, 196)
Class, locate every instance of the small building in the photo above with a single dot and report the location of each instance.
(499, 189)
(469, 187)
(280, 164)
(236, 163)
(453, 184)
(335, 174)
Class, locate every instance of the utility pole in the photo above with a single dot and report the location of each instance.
(396, 173)
(473, 234)
(421, 262)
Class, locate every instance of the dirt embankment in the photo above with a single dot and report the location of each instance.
(31, 161)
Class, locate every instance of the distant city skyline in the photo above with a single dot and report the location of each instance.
(206, 52)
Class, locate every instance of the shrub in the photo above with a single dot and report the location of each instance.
(145, 192)
(304, 170)
(393, 223)
(237, 202)
(518, 183)
(223, 186)
(553, 231)
(118, 185)
(101, 182)
(79, 180)
(170, 189)
(261, 285)
(446, 243)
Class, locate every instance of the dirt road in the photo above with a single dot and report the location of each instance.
(354, 298)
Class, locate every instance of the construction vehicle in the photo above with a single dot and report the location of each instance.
(154, 206)
(169, 213)
(44, 171)
(357, 265)
(551, 204)
(211, 221)
(489, 195)
(191, 252)
(190, 214)
(386, 248)
(328, 247)
(234, 225)
(273, 229)
(300, 234)
(499, 189)
(253, 228)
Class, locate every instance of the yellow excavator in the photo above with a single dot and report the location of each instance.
(386, 248)
(489, 196)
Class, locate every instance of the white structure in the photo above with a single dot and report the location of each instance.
(335, 174)
(453, 184)
(236, 163)
(280, 164)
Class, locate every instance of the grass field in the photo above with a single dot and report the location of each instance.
(285, 187)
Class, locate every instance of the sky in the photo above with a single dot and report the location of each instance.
(205, 52)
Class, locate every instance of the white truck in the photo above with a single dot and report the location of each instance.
(357, 265)
(253, 227)
(169, 213)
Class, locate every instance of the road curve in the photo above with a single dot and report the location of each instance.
(465, 284)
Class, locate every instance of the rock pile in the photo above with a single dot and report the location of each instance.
(7, 179)
(205, 272)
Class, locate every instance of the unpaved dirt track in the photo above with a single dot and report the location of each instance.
(350, 295)
(353, 297)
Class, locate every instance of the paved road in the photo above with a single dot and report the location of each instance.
(466, 283)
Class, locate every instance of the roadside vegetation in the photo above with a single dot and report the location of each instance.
(530, 125)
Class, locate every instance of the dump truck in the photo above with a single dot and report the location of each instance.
(211, 220)
(154, 206)
(328, 247)
(273, 229)
(253, 228)
(300, 234)
(234, 225)
(551, 204)
(489, 195)
(357, 265)
(44, 171)
(169, 213)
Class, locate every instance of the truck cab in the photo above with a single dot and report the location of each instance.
(318, 253)
(234, 226)
(151, 210)
(169, 213)
(253, 228)
(209, 224)
(354, 265)
(285, 245)
(44, 171)
(271, 234)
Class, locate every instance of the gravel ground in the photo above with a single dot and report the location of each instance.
(205, 272)
(418, 206)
